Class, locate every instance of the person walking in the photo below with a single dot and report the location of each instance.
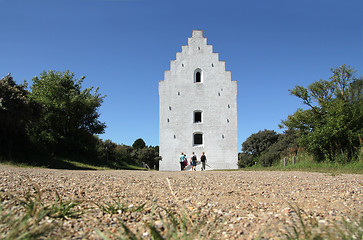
(203, 159)
(193, 162)
(181, 160)
(185, 161)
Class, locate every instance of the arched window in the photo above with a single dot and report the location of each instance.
(198, 75)
(197, 139)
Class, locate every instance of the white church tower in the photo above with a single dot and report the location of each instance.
(198, 108)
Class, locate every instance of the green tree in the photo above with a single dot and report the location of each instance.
(332, 126)
(148, 155)
(255, 145)
(284, 146)
(245, 160)
(123, 154)
(16, 111)
(267, 147)
(69, 114)
(106, 150)
(259, 142)
(139, 144)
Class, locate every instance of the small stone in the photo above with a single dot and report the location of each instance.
(158, 224)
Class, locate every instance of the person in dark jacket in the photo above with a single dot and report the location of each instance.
(203, 159)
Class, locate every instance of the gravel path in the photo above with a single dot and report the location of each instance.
(243, 205)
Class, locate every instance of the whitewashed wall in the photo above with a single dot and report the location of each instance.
(215, 96)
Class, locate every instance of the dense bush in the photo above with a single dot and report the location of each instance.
(58, 120)
(110, 152)
(255, 145)
(245, 160)
(17, 111)
(283, 147)
(332, 126)
(69, 115)
(266, 147)
(330, 129)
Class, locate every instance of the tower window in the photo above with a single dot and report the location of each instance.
(198, 75)
(197, 139)
(197, 116)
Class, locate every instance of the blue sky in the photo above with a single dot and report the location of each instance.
(124, 46)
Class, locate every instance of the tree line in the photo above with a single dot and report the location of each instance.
(139, 154)
(59, 119)
(330, 128)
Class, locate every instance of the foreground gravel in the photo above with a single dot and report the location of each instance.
(242, 204)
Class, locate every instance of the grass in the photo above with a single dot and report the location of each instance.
(169, 225)
(19, 225)
(68, 164)
(305, 226)
(33, 204)
(166, 223)
(31, 218)
(64, 209)
(190, 226)
(178, 225)
(308, 165)
(117, 207)
(349, 168)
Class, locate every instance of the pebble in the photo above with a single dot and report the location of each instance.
(244, 204)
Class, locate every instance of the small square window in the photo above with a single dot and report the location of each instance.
(197, 117)
(198, 139)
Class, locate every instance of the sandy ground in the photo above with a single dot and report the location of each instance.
(236, 204)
